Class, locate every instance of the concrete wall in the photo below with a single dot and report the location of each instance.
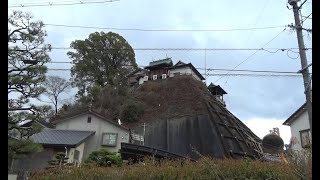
(98, 125)
(299, 124)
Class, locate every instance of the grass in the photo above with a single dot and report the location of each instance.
(206, 168)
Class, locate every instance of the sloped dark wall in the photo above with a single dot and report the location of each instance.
(184, 135)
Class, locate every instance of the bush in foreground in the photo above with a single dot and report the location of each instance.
(102, 157)
(204, 169)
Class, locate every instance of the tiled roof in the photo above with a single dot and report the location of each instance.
(61, 137)
(86, 111)
(28, 123)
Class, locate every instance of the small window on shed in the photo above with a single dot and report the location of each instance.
(89, 119)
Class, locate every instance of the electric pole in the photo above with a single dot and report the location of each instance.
(304, 63)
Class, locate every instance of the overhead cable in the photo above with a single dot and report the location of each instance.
(307, 17)
(185, 49)
(59, 4)
(252, 55)
(165, 30)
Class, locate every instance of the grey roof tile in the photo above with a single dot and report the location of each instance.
(61, 137)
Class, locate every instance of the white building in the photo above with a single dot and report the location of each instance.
(108, 134)
(300, 129)
(163, 69)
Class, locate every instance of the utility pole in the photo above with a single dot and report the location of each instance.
(303, 58)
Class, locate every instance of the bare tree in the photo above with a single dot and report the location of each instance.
(55, 85)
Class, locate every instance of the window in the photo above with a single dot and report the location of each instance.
(305, 138)
(155, 77)
(109, 139)
(89, 119)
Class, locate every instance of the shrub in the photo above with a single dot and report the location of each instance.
(59, 159)
(206, 168)
(301, 163)
(102, 157)
(132, 112)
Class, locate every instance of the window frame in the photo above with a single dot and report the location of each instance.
(303, 144)
(109, 145)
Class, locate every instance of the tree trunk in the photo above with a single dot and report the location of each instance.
(56, 104)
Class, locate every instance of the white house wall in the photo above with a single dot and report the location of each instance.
(182, 71)
(195, 76)
(141, 80)
(80, 148)
(299, 124)
(98, 125)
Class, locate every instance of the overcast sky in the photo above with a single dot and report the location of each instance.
(260, 102)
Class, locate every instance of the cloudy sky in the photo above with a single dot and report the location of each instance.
(260, 102)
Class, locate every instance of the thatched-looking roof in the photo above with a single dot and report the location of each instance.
(181, 116)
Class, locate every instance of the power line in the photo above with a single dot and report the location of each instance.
(59, 4)
(225, 74)
(209, 69)
(251, 55)
(248, 70)
(258, 18)
(187, 49)
(307, 17)
(165, 30)
(257, 75)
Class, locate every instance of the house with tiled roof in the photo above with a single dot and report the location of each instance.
(72, 142)
(163, 69)
(77, 134)
(108, 133)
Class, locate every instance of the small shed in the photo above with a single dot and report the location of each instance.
(217, 92)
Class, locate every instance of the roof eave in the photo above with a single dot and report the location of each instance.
(289, 121)
(58, 145)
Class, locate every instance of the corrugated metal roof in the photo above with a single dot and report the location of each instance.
(61, 137)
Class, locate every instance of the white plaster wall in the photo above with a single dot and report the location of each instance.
(80, 148)
(183, 71)
(299, 124)
(71, 155)
(98, 125)
(195, 75)
(141, 80)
